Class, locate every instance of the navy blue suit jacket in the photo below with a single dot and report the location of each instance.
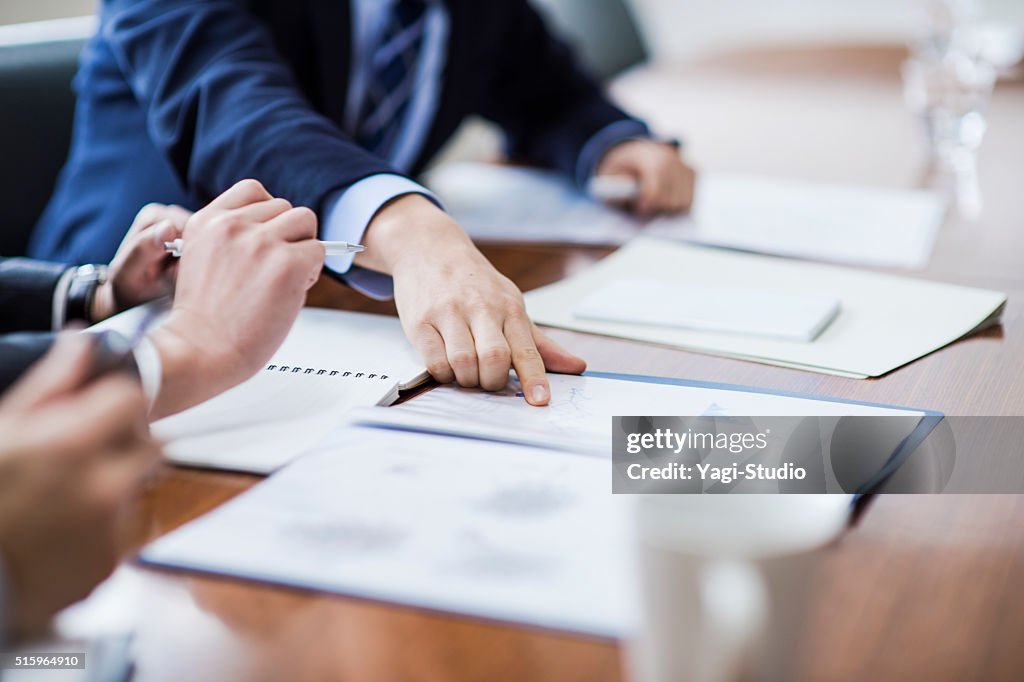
(26, 300)
(179, 99)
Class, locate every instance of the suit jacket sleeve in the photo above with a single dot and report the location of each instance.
(18, 352)
(26, 293)
(549, 107)
(222, 104)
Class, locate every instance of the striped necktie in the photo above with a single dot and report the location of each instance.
(392, 77)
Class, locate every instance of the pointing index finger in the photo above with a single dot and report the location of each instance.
(527, 362)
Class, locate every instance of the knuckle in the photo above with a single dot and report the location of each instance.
(421, 330)
(461, 359)
(444, 308)
(494, 383)
(229, 224)
(305, 218)
(496, 355)
(281, 205)
(440, 370)
(515, 311)
(149, 213)
(250, 188)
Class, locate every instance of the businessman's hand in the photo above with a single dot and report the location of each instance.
(466, 319)
(247, 263)
(141, 269)
(666, 182)
(71, 457)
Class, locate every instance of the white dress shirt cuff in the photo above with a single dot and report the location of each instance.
(147, 361)
(603, 140)
(58, 311)
(347, 215)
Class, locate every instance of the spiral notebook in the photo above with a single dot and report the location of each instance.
(331, 363)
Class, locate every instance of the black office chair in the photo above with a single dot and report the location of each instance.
(35, 131)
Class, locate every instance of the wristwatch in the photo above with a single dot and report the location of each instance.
(81, 290)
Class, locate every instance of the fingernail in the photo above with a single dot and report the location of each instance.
(539, 393)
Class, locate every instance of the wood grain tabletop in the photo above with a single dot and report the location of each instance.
(924, 587)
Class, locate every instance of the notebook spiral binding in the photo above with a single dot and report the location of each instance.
(296, 369)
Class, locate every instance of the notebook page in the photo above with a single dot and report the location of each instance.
(265, 422)
(331, 362)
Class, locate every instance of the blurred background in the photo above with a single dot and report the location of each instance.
(614, 34)
(952, 51)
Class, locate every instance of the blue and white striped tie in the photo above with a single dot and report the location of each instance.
(392, 77)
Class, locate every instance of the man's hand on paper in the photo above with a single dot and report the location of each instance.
(666, 183)
(73, 452)
(141, 269)
(466, 319)
(247, 263)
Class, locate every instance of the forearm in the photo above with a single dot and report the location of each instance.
(189, 375)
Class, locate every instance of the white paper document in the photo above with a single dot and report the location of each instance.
(884, 321)
(433, 510)
(579, 417)
(797, 218)
(713, 308)
(331, 362)
(493, 530)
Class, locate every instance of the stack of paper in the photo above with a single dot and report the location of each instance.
(802, 219)
(883, 321)
(435, 511)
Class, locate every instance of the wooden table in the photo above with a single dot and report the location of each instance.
(923, 587)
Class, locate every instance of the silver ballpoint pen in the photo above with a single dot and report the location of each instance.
(332, 248)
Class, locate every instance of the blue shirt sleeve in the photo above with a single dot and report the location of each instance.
(346, 216)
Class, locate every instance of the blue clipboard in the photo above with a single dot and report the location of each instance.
(929, 421)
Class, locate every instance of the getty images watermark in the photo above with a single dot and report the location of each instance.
(852, 454)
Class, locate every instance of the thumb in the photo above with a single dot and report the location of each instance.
(64, 368)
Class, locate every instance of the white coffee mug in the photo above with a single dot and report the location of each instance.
(724, 582)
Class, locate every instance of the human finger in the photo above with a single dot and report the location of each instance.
(293, 225)
(263, 211)
(527, 361)
(242, 193)
(428, 342)
(460, 350)
(494, 357)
